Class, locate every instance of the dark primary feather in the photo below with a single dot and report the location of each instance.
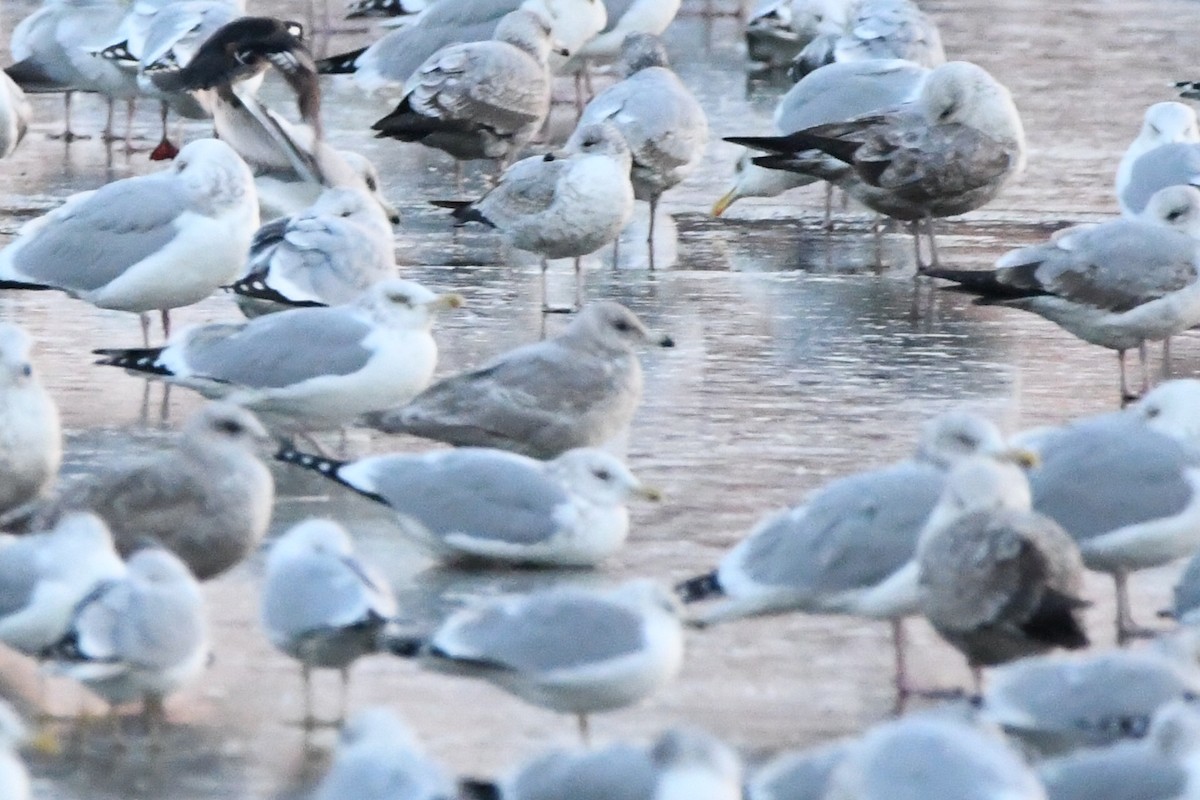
(323, 466)
(341, 64)
(139, 359)
(699, 588)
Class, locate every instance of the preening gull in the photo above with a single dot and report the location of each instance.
(661, 120)
(388, 64)
(208, 499)
(530, 645)
(321, 604)
(480, 99)
(682, 764)
(561, 206)
(851, 548)
(44, 575)
(139, 637)
(327, 255)
(15, 113)
(308, 368)
(1164, 123)
(477, 503)
(1118, 284)
(948, 152)
(578, 389)
(1126, 486)
(833, 93)
(875, 29)
(152, 242)
(378, 758)
(31, 438)
(998, 581)
(928, 755)
(1055, 704)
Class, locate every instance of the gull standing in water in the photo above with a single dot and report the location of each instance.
(480, 99)
(30, 431)
(851, 548)
(308, 368)
(1118, 284)
(561, 206)
(208, 499)
(1164, 123)
(322, 605)
(491, 505)
(578, 389)
(531, 645)
(661, 120)
(998, 581)
(329, 254)
(152, 242)
(948, 152)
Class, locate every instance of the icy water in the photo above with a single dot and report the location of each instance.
(796, 363)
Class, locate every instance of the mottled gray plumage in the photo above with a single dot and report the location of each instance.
(579, 389)
(876, 29)
(208, 499)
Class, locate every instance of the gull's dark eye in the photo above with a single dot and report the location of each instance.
(965, 439)
(27, 370)
(230, 426)
(622, 325)
(398, 297)
(1152, 412)
(602, 474)
(1175, 213)
(371, 184)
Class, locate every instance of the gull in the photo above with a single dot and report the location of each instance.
(1173, 164)
(326, 255)
(358, 9)
(997, 581)
(141, 636)
(948, 152)
(530, 645)
(564, 206)
(292, 163)
(496, 506)
(152, 242)
(208, 499)
(1126, 487)
(1055, 704)
(321, 604)
(777, 30)
(308, 368)
(31, 442)
(578, 389)
(875, 29)
(389, 63)
(14, 777)
(1164, 123)
(681, 764)
(53, 48)
(850, 548)
(1118, 284)
(44, 576)
(661, 120)
(479, 99)
(378, 758)
(833, 93)
(799, 775)
(931, 755)
(1145, 769)
(15, 113)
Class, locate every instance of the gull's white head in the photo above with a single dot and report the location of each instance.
(575, 22)
(751, 180)
(311, 537)
(16, 369)
(693, 765)
(600, 139)
(984, 484)
(959, 92)
(1165, 123)
(154, 566)
(1172, 409)
(366, 170)
(598, 477)
(351, 205)
(1175, 207)
(612, 326)
(405, 305)
(215, 177)
(224, 427)
(956, 435)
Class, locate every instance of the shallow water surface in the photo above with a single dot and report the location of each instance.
(797, 361)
